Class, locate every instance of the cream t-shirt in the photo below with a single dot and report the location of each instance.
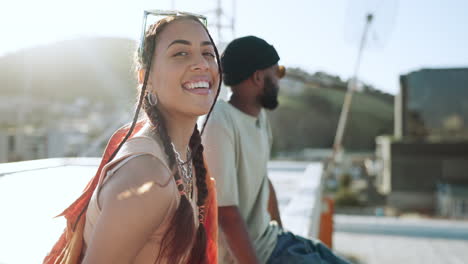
(237, 149)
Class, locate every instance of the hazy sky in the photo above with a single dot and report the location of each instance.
(316, 35)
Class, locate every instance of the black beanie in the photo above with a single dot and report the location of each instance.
(243, 56)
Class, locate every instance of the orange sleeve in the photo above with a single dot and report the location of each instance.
(211, 221)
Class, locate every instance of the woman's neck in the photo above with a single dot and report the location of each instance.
(180, 130)
(180, 135)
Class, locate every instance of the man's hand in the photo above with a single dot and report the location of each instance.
(273, 205)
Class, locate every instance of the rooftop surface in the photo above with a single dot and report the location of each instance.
(32, 192)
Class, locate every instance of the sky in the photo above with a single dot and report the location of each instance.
(315, 35)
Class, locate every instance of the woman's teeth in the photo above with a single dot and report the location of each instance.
(195, 85)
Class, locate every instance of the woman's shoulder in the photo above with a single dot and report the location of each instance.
(139, 197)
(146, 167)
(142, 144)
(143, 180)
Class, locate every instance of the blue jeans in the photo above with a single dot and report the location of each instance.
(297, 250)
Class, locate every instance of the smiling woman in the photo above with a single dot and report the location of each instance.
(189, 60)
(152, 200)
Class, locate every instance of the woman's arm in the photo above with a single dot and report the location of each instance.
(134, 203)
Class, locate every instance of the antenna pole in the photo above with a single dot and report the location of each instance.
(219, 12)
(352, 85)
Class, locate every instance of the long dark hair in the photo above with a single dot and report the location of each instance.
(181, 236)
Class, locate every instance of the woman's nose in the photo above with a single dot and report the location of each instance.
(200, 64)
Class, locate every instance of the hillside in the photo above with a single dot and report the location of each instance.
(309, 119)
(97, 68)
(101, 70)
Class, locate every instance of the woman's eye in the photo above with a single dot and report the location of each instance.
(210, 54)
(181, 53)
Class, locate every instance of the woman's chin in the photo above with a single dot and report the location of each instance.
(201, 112)
(202, 108)
(194, 108)
(195, 111)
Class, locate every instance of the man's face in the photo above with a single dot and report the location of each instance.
(269, 97)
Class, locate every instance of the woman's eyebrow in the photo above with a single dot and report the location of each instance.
(206, 43)
(180, 41)
(186, 42)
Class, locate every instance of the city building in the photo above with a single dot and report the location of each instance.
(430, 145)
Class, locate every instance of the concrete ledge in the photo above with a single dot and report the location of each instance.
(402, 227)
(21, 166)
(302, 215)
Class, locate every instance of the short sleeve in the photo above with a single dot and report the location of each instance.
(220, 154)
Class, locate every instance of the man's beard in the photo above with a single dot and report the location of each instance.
(269, 98)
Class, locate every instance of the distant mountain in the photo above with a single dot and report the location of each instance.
(309, 119)
(101, 70)
(96, 68)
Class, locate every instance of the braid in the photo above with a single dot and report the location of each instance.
(220, 70)
(200, 170)
(159, 126)
(183, 217)
(135, 116)
(202, 190)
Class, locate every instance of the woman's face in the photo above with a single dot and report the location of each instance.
(184, 73)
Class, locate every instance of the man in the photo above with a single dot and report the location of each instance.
(237, 144)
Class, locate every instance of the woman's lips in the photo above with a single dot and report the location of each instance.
(200, 87)
(199, 91)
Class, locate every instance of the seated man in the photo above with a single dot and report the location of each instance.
(237, 144)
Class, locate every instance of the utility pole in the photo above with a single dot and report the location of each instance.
(219, 14)
(221, 41)
(352, 85)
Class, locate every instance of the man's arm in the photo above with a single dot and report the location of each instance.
(220, 154)
(273, 205)
(237, 237)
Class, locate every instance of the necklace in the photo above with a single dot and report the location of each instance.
(185, 168)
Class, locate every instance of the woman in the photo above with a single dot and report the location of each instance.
(147, 202)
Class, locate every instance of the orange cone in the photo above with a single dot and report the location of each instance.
(326, 222)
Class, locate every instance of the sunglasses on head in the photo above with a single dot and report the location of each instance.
(155, 15)
(281, 72)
